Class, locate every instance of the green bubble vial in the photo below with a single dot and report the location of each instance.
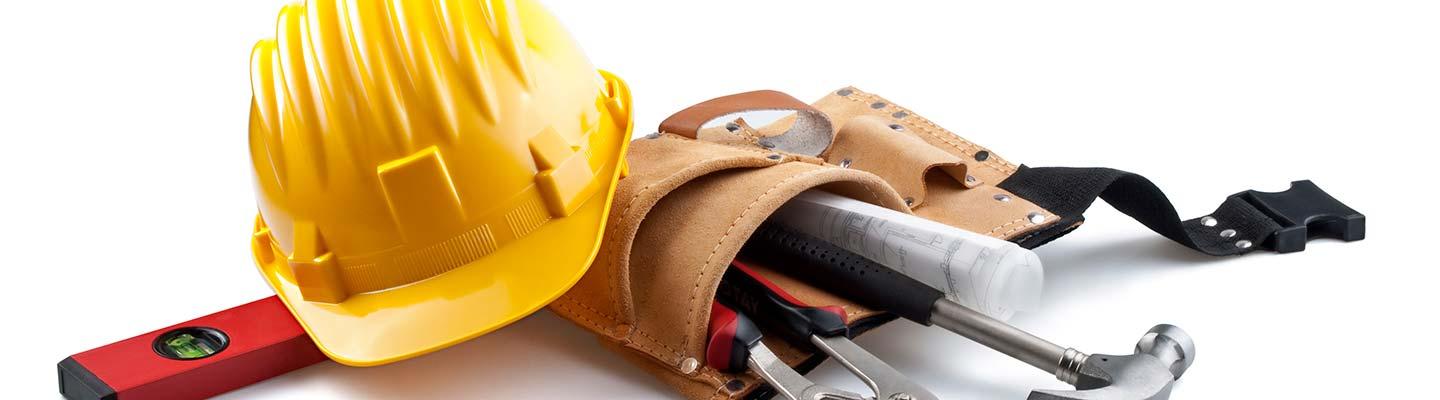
(190, 343)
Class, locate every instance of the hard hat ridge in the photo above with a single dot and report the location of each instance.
(399, 142)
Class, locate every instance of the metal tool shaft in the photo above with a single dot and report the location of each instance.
(999, 336)
(789, 383)
(885, 381)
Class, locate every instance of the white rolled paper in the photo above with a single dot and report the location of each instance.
(990, 275)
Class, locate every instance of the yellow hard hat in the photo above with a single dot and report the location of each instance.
(428, 170)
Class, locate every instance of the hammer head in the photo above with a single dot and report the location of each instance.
(1161, 356)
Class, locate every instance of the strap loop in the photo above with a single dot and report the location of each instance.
(811, 134)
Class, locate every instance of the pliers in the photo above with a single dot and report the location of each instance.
(822, 328)
(735, 347)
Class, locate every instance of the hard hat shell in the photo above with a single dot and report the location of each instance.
(427, 171)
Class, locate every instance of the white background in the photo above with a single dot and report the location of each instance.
(127, 201)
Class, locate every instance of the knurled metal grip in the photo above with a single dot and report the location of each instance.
(1068, 369)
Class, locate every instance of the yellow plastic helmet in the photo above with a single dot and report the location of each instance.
(427, 171)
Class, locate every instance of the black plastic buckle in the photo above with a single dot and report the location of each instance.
(1305, 212)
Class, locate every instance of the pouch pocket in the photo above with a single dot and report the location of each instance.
(679, 218)
(687, 206)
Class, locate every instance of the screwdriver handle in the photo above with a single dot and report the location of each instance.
(841, 272)
(781, 313)
(731, 337)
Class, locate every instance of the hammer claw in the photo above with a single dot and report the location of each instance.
(1139, 376)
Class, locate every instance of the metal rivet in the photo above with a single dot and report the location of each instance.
(1209, 221)
(982, 155)
(899, 114)
(767, 145)
(878, 105)
(845, 92)
(1228, 233)
(689, 366)
(1036, 217)
(735, 385)
(897, 127)
(1244, 244)
(970, 178)
(653, 136)
(773, 157)
(909, 201)
(1002, 198)
(733, 127)
(845, 163)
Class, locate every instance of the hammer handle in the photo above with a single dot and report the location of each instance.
(1005, 338)
(841, 272)
(854, 277)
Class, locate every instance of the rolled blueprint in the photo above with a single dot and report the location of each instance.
(987, 274)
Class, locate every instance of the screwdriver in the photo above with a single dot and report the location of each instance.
(821, 327)
(734, 346)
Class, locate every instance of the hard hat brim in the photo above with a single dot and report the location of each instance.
(506, 285)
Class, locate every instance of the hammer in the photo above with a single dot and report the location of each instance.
(1161, 356)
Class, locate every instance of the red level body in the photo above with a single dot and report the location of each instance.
(189, 360)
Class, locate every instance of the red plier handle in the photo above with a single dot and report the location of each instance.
(748, 291)
(735, 347)
(731, 336)
(822, 328)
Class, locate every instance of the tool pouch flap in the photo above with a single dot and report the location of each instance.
(687, 206)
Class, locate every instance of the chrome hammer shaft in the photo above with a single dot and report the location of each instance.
(1160, 357)
(1007, 339)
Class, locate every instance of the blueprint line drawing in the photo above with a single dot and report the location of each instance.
(990, 275)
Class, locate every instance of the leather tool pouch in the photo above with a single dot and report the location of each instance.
(693, 196)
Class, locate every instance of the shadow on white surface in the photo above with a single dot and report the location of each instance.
(542, 356)
(1076, 270)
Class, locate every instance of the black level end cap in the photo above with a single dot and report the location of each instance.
(78, 383)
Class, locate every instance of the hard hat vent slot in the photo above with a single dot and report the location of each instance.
(314, 267)
(421, 196)
(565, 178)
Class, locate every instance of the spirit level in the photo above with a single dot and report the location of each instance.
(195, 359)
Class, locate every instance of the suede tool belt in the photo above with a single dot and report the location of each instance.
(695, 193)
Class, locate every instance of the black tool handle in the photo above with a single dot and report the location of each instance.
(841, 272)
(731, 337)
(746, 291)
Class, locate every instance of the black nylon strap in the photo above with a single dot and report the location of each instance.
(1243, 223)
